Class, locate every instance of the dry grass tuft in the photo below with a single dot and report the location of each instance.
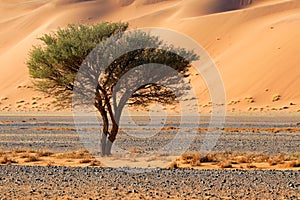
(6, 161)
(292, 157)
(228, 159)
(32, 158)
(95, 163)
(24, 155)
(225, 164)
(135, 151)
(259, 157)
(194, 159)
(191, 158)
(85, 161)
(276, 97)
(250, 166)
(242, 159)
(295, 163)
(173, 165)
(50, 163)
(54, 129)
(43, 153)
(249, 99)
(19, 150)
(275, 160)
(74, 155)
(208, 158)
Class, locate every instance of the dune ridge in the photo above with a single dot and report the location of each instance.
(253, 42)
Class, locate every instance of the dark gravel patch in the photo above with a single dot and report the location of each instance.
(21, 182)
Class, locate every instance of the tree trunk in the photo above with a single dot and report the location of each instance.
(104, 129)
(103, 144)
(111, 138)
(108, 147)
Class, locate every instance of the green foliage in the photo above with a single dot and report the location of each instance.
(55, 62)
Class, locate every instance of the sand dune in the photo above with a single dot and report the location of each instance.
(253, 42)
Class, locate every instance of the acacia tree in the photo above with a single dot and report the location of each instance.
(55, 65)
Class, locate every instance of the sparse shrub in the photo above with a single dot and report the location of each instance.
(7, 161)
(250, 166)
(295, 163)
(293, 157)
(278, 159)
(242, 159)
(74, 155)
(187, 156)
(4, 160)
(85, 161)
(25, 155)
(95, 163)
(260, 158)
(191, 158)
(32, 158)
(173, 165)
(50, 163)
(276, 98)
(136, 151)
(208, 158)
(19, 150)
(249, 99)
(43, 153)
(196, 160)
(225, 164)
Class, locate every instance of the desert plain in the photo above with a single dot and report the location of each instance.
(253, 43)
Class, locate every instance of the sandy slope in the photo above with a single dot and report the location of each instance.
(254, 45)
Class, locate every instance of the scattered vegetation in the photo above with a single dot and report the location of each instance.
(249, 99)
(95, 163)
(295, 163)
(136, 151)
(54, 129)
(32, 158)
(74, 155)
(225, 164)
(85, 161)
(43, 153)
(275, 160)
(231, 159)
(223, 160)
(276, 97)
(250, 166)
(18, 150)
(6, 161)
(256, 130)
(174, 165)
(191, 158)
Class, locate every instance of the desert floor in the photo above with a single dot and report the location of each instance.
(253, 44)
(254, 157)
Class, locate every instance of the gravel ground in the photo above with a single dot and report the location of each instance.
(60, 135)
(20, 182)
